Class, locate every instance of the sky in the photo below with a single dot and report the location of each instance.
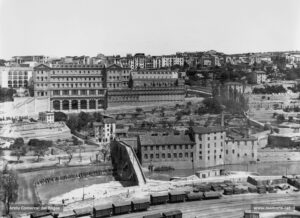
(156, 27)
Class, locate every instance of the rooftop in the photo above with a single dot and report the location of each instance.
(165, 140)
(205, 130)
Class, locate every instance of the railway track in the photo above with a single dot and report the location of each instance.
(227, 207)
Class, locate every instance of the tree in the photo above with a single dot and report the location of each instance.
(98, 117)
(19, 147)
(105, 151)
(69, 150)
(139, 110)
(60, 116)
(9, 186)
(40, 151)
(280, 118)
(72, 123)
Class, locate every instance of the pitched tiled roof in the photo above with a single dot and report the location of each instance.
(205, 130)
(165, 140)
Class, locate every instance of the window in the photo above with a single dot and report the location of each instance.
(65, 92)
(226, 151)
(215, 151)
(215, 157)
(207, 158)
(200, 146)
(215, 137)
(208, 138)
(180, 155)
(56, 92)
(151, 156)
(151, 148)
(233, 151)
(146, 156)
(220, 156)
(208, 145)
(175, 155)
(175, 147)
(200, 157)
(163, 155)
(145, 148)
(200, 137)
(169, 155)
(245, 155)
(200, 152)
(221, 144)
(163, 147)
(186, 154)
(180, 147)
(215, 144)
(252, 154)
(157, 147)
(238, 155)
(157, 156)
(169, 147)
(186, 146)
(191, 154)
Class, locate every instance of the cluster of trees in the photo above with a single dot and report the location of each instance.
(289, 109)
(60, 116)
(83, 120)
(39, 147)
(210, 105)
(269, 90)
(8, 188)
(7, 94)
(295, 89)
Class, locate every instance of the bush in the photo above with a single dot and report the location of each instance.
(164, 168)
(40, 143)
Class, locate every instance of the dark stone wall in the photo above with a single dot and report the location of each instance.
(122, 166)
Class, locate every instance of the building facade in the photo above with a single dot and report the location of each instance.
(105, 131)
(15, 77)
(46, 117)
(240, 150)
(158, 150)
(71, 87)
(259, 77)
(209, 146)
(147, 86)
(117, 77)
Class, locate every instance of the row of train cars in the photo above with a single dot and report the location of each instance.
(135, 206)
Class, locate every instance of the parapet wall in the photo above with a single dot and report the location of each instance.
(125, 164)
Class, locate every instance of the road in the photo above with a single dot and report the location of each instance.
(227, 207)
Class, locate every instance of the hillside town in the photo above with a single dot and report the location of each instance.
(206, 114)
(149, 109)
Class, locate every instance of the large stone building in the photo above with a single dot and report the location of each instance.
(240, 150)
(209, 148)
(105, 131)
(147, 86)
(117, 77)
(259, 77)
(71, 87)
(15, 76)
(175, 151)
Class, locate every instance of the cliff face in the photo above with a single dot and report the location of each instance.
(126, 166)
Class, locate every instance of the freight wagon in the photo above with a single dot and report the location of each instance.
(211, 195)
(122, 207)
(40, 214)
(140, 205)
(177, 196)
(194, 196)
(105, 210)
(156, 215)
(83, 212)
(66, 214)
(172, 214)
(159, 198)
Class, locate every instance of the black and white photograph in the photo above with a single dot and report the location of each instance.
(150, 108)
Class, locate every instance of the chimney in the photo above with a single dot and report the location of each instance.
(222, 118)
